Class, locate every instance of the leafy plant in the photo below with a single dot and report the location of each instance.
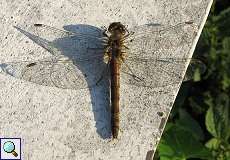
(218, 125)
(180, 144)
(181, 140)
(199, 124)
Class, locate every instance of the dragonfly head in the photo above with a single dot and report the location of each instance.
(117, 28)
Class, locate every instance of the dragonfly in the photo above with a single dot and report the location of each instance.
(81, 59)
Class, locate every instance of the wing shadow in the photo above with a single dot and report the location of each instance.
(87, 54)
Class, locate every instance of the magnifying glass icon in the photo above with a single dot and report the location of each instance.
(9, 147)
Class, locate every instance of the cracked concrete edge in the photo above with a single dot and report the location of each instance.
(150, 156)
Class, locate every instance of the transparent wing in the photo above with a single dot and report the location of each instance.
(151, 72)
(156, 54)
(158, 72)
(61, 73)
(154, 41)
(195, 66)
(74, 45)
(75, 63)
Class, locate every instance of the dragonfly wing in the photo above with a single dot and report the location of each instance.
(61, 42)
(153, 73)
(195, 67)
(151, 59)
(66, 74)
(46, 44)
(152, 41)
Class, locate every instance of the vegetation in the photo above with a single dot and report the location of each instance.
(199, 124)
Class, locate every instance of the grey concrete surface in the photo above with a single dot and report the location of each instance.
(74, 124)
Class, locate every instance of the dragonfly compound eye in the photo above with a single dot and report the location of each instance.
(117, 27)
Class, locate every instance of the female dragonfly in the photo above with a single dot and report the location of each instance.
(143, 56)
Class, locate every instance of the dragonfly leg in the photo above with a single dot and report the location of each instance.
(127, 35)
(105, 34)
(107, 55)
(124, 51)
(107, 49)
(104, 31)
(125, 46)
(123, 55)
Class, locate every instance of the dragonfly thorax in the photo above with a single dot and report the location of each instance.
(116, 28)
(117, 32)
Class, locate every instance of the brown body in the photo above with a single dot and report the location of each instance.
(115, 96)
(115, 51)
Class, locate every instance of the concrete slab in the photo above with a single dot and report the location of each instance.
(74, 124)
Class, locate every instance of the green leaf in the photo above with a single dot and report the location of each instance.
(209, 122)
(190, 125)
(213, 144)
(225, 81)
(226, 44)
(218, 118)
(179, 144)
(196, 76)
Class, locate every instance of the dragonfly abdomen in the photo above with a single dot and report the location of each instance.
(115, 95)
